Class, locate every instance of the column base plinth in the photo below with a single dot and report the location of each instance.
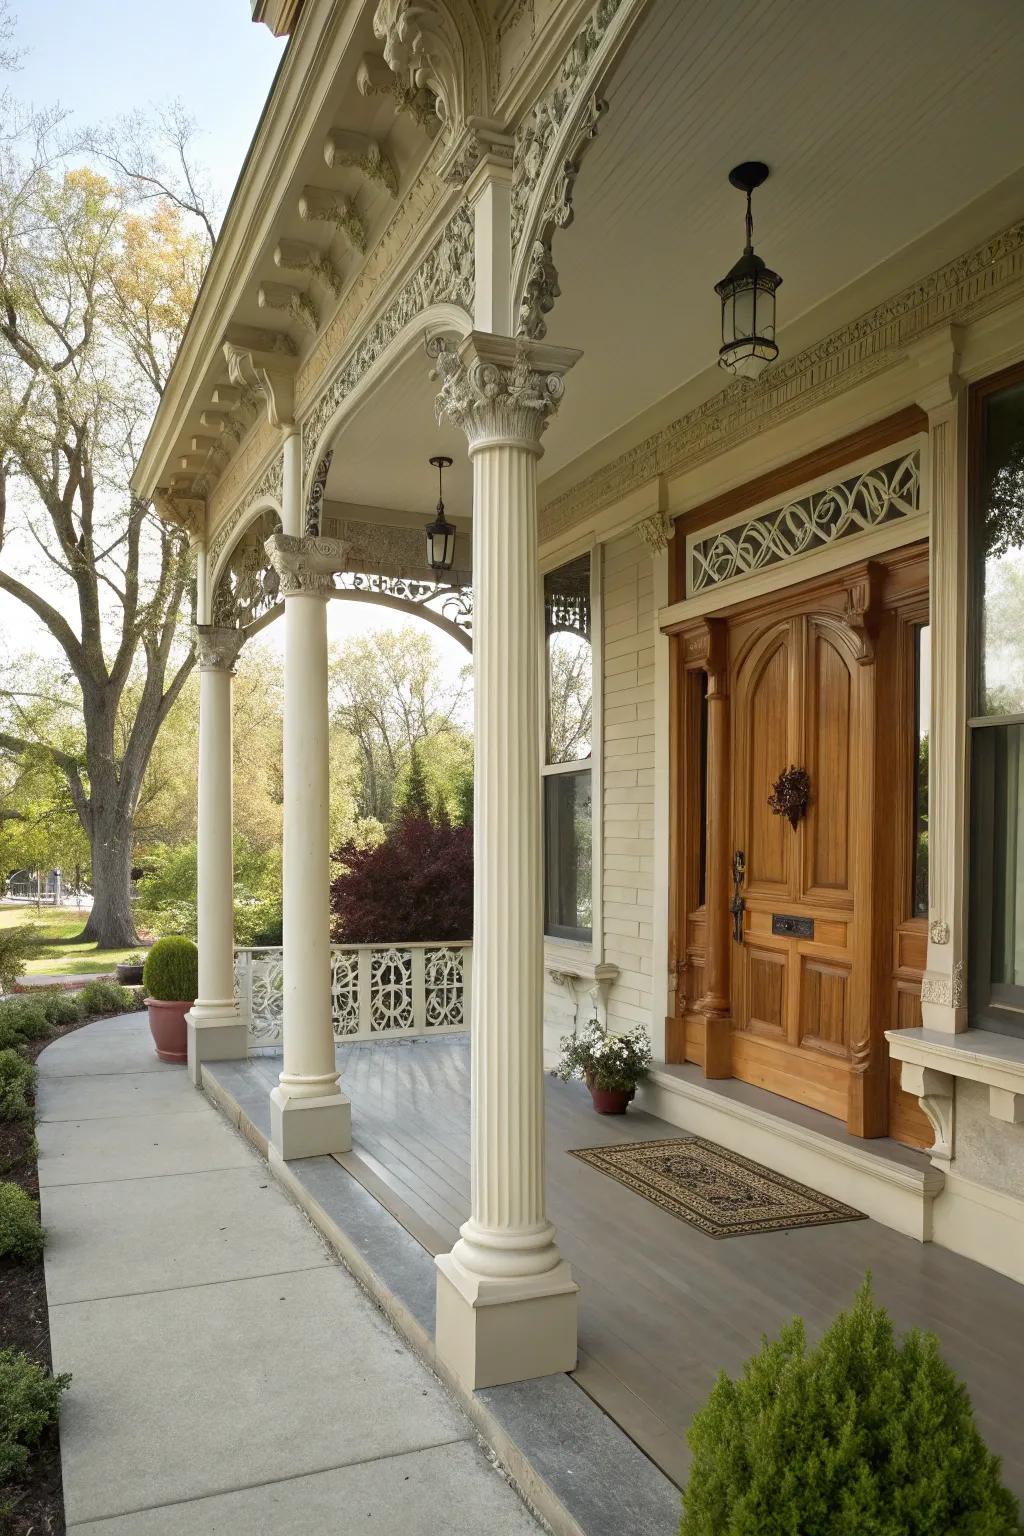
(490, 1332)
(216, 1032)
(313, 1127)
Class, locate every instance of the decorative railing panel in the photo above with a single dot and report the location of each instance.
(376, 990)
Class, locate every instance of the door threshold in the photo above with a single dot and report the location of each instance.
(889, 1182)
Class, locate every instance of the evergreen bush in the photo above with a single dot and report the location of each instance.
(106, 997)
(172, 971)
(862, 1436)
(21, 1236)
(29, 1403)
(16, 945)
(61, 1007)
(17, 1079)
(25, 1018)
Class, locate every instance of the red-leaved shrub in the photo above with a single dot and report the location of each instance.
(418, 884)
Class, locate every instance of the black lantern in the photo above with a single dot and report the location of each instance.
(440, 533)
(748, 295)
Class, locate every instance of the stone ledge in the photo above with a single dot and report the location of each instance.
(979, 1055)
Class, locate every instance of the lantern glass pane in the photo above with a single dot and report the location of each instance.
(743, 312)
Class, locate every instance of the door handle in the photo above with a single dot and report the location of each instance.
(738, 905)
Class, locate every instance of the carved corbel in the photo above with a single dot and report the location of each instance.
(863, 608)
(655, 530)
(186, 512)
(321, 205)
(423, 49)
(269, 376)
(345, 148)
(934, 1092)
(297, 256)
(706, 649)
(374, 78)
(292, 301)
(605, 977)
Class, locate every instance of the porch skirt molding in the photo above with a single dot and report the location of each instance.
(888, 1183)
(981, 1224)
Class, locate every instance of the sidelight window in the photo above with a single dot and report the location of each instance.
(568, 813)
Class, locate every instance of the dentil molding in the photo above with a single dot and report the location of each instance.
(498, 389)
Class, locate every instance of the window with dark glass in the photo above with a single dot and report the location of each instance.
(568, 815)
(922, 708)
(996, 967)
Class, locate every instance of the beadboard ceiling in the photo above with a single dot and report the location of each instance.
(879, 121)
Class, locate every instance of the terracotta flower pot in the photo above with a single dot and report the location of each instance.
(610, 1101)
(168, 1027)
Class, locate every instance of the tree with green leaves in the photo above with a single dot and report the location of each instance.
(95, 290)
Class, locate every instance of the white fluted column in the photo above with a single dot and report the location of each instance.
(216, 1029)
(506, 1300)
(310, 1115)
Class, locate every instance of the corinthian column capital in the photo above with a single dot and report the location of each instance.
(216, 646)
(500, 389)
(307, 564)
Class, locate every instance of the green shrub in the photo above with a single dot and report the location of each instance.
(16, 945)
(172, 971)
(21, 1236)
(106, 997)
(861, 1436)
(17, 1078)
(61, 1007)
(29, 1403)
(25, 1017)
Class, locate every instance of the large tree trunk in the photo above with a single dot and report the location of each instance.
(110, 922)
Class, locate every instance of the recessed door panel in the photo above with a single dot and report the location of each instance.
(829, 741)
(765, 722)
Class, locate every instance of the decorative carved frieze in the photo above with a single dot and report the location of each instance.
(344, 148)
(324, 206)
(305, 565)
(938, 932)
(479, 141)
(266, 488)
(446, 274)
(315, 506)
(495, 388)
(948, 990)
(876, 496)
(979, 281)
(216, 647)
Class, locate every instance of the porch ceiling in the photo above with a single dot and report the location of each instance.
(879, 123)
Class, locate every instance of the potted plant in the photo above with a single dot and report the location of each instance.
(170, 981)
(129, 970)
(610, 1065)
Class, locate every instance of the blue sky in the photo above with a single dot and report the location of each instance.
(101, 58)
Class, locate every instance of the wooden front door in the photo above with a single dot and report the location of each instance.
(803, 697)
(824, 951)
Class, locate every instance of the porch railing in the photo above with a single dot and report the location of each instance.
(376, 990)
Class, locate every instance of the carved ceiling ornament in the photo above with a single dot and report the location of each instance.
(977, 282)
(446, 275)
(496, 388)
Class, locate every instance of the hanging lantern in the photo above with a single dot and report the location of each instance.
(440, 533)
(748, 294)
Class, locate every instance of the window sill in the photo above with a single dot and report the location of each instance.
(932, 1060)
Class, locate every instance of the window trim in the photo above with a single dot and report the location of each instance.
(594, 764)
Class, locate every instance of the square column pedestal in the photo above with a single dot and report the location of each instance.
(309, 1127)
(491, 1332)
(215, 1033)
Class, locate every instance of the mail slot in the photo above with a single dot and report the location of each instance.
(793, 927)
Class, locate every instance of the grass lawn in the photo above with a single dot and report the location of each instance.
(59, 952)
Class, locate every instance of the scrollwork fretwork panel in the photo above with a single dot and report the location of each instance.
(885, 493)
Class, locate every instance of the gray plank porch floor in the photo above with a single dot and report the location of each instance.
(662, 1307)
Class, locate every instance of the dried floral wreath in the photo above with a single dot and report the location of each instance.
(791, 795)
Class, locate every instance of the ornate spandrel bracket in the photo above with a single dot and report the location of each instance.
(216, 647)
(499, 388)
(934, 1091)
(270, 375)
(306, 565)
(423, 49)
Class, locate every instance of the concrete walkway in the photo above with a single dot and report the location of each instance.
(229, 1376)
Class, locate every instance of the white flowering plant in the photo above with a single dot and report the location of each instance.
(603, 1060)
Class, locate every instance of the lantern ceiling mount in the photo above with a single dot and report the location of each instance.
(748, 293)
(440, 533)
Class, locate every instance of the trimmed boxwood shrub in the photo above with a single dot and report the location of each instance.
(862, 1436)
(29, 1403)
(172, 971)
(21, 1236)
(107, 997)
(23, 1018)
(61, 1007)
(17, 1078)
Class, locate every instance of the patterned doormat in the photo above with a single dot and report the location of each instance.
(718, 1192)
